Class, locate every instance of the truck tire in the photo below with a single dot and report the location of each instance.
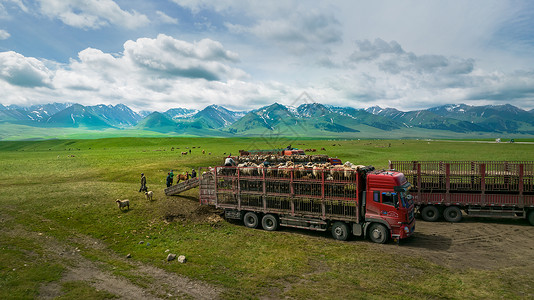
(430, 213)
(378, 233)
(531, 217)
(452, 214)
(251, 220)
(340, 231)
(269, 222)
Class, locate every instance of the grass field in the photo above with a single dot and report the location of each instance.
(59, 195)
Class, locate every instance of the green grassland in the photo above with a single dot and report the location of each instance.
(65, 189)
(17, 132)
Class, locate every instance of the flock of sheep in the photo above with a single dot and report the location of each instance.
(275, 159)
(309, 170)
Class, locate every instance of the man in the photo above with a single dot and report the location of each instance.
(172, 177)
(193, 173)
(143, 183)
(169, 179)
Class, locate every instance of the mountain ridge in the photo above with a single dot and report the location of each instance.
(308, 119)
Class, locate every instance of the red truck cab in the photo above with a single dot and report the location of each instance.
(388, 202)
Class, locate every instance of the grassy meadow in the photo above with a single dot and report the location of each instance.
(61, 193)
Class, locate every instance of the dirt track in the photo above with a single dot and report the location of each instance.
(479, 243)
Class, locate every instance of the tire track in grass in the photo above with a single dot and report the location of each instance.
(161, 283)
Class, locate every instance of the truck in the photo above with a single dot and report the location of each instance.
(502, 189)
(363, 202)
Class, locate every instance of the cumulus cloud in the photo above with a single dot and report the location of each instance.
(4, 35)
(203, 59)
(23, 71)
(91, 14)
(155, 74)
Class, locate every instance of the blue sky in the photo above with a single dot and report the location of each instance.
(156, 55)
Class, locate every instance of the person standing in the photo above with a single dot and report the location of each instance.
(193, 173)
(143, 183)
(172, 177)
(169, 180)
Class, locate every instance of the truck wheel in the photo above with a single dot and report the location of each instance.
(531, 217)
(251, 220)
(340, 231)
(269, 222)
(378, 233)
(452, 214)
(430, 213)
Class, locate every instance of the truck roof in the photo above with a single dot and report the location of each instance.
(386, 178)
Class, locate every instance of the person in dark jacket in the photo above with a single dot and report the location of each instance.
(169, 179)
(172, 177)
(193, 173)
(143, 183)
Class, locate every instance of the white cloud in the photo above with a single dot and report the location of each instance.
(17, 3)
(91, 14)
(297, 27)
(23, 71)
(164, 18)
(4, 35)
(175, 58)
(298, 32)
(155, 74)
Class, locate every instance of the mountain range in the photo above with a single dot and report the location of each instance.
(310, 119)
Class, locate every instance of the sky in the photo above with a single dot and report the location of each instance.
(157, 55)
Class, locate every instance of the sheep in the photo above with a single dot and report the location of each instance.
(149, 195)
(123, 203)
(336, 171)
(248, 168)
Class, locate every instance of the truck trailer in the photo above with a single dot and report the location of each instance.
(363, 202)
(502, 189)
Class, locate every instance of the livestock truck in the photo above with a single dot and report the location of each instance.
(363, 202)
(502, 189)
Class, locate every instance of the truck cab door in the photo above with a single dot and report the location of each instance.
(389, 207)
(372, 205)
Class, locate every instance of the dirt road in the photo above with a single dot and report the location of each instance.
(479, 243)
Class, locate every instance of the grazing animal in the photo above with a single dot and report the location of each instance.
(180, 177)
(123, 203)
(149, 195)
(184, 153)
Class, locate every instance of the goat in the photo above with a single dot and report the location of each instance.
(149, 195)
(123, 203)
